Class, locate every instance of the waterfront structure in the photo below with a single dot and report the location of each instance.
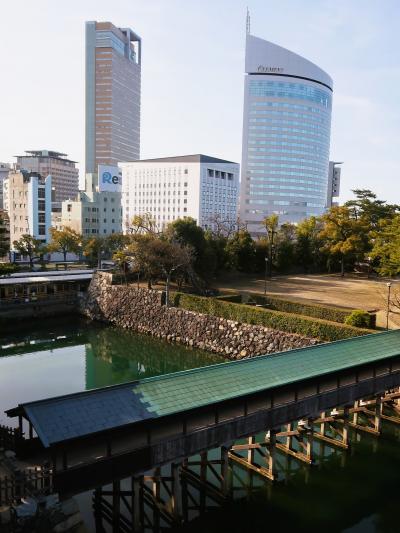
(27, 199)
(168, 188)
(113, 72)
(96, 211)
(4, 170)
(65, 175)
(286, 135)
(333, 191)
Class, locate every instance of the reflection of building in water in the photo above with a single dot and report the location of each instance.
(116, 356)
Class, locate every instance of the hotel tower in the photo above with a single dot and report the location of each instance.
(113, 68)
(286, 136)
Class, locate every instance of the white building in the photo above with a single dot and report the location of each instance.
(286, 135)
(96, 211)
(169, 188)
(4, 170)
(333, 183)
(27, 199)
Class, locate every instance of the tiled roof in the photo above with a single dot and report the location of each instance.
(75, 415)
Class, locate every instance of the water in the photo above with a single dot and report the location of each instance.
(350, 492)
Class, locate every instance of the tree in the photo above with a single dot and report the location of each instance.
(344, 235)
(64, 241)
(369, 210)
(144, 224)
(93, 248)
(271, 224)
(285, 247)
(4, 234)
(309, 244)
(241, 251)
(30, 247)
(386, 247)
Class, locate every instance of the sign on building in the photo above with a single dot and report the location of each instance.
(110, 179)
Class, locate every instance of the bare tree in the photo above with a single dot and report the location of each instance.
(225, 226)
(144, 224)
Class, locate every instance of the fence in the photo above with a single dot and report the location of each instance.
(10, 438)
(25, 483)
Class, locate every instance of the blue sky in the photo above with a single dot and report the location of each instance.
(192, 85)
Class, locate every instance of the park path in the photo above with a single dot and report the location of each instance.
(350, 291)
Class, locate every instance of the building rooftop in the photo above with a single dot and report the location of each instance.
(76, 415)
(193, 158)
(47, 153)
(43, 278)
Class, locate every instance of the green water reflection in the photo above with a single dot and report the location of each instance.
(57, 357)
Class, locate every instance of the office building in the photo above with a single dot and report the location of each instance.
(4, 170)
(113, 71)
(96, 211)
(169, 188)
(286, 135)
(334, 173)
(27, 199)
(65, 175)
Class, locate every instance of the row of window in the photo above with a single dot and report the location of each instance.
(310, 139)
(279, 144)
(286, 105)
(285, 179)
(276, 157)
(288, 114)
(292, 194)
(254, 188)
(277, 150)
(299, 91)
(308, 124)
(259, 128)
(211, 173)
(268, 172)
(286, 165)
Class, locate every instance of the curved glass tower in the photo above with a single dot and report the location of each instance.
(286, 136)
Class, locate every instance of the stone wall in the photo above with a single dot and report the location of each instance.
(141, 310)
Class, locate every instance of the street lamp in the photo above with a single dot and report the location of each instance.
(265, 275)
(388, 285)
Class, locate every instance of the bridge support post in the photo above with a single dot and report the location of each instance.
(137, 503)
(176, 492)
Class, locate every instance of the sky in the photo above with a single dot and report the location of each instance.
(192, 76)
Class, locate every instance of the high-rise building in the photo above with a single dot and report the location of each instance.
(286, 135)
(198, 186)
(27, 200)
(113, 71)
(65, 175)
(334, 173)
(4, 170)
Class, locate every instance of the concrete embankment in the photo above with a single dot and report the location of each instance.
(142, 310)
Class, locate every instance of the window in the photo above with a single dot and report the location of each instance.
(42, 218)
(185, 171)
(210, 173)
(185, 209)
(41, 193)
(41, 205)
(42, 229)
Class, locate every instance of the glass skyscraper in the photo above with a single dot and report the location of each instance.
(286, 136)
(113, 71)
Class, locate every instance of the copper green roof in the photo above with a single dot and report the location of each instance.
(75, 415)
(171, 393)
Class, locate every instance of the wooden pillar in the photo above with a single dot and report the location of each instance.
(345, 437)
(176, 491)
(378, 413)
(355, 415)
(250, 451)
(225, 470)
(97, 511)
(203, 478)
(271, 453)
(116, 504)
(137, 504)
(309, 445)
(289, 437)
(156, 495)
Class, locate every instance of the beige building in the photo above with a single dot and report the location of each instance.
(94, 212)
(27, 199)
(113, 71)
(65, 176)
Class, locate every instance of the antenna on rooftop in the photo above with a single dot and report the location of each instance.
(248, 21)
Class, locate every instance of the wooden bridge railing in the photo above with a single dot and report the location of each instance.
(25, 483)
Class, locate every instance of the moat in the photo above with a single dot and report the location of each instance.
(354, 491)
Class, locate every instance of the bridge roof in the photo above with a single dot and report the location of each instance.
(76, 415)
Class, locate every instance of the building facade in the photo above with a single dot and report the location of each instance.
(334, 174)
(4, 233)
(286, 135)
(169, 188)
(94, 212)
(113, 72)
(4, 170)
(65, 175)
(27, 200)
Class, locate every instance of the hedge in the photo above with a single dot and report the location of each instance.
(333, 314)
(291, 323)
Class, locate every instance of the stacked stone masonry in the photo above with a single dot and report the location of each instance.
(141, 310)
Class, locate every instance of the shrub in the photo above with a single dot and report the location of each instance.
(8, 268)
(333, 314)
(291, 323)
(358, 319)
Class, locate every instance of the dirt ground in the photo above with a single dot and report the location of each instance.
(350, 291)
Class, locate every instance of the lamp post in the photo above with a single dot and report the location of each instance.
(388, 285)
(265, 275)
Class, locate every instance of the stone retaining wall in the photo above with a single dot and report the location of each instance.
(141, 310)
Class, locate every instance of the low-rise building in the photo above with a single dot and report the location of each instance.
(27, 199)
(96, 211)
(197, 186)
(4, 170)
(65, 175)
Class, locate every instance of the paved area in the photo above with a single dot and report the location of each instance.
(350, 291)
